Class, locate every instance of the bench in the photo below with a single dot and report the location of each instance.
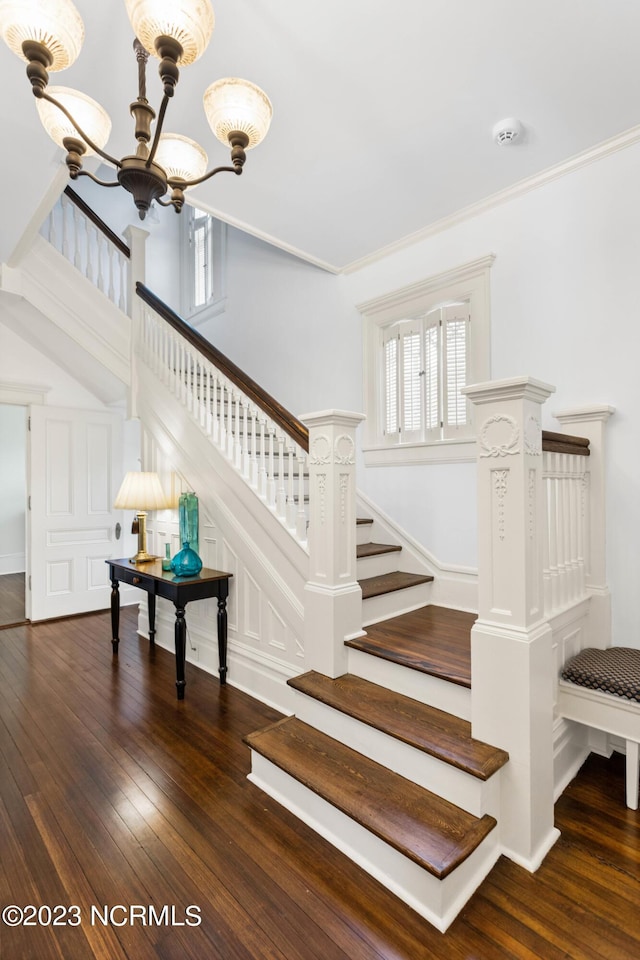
(601, 688)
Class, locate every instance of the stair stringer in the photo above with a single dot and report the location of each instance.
(270, 569)
(54, 287)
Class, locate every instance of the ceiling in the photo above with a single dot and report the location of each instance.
(383, 113)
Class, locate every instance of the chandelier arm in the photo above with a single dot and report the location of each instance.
(159, 123)
(106, 156)
(101, 183)
(192, 183)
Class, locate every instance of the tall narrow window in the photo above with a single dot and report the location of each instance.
(203, 262)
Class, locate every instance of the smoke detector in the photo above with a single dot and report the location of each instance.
(507, 131)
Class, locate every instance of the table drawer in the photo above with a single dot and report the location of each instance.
(136, 579)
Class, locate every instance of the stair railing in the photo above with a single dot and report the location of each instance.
(267, 445)
(565, 477)
(99, 254)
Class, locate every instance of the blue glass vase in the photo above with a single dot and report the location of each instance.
(188, 518)
(186, 562)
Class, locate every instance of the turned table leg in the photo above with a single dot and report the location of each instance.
(115, 615)
(180, 641)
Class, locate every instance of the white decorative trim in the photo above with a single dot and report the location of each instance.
(320, 452)
(532, 436)
(22, 394)
(500, 482)
(585, 414)
(508, 447)
(441, 451)
(344, 451)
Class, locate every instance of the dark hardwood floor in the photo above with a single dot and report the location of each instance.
(114, 794)
(11, 598)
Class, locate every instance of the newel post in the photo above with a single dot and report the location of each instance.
(333, 599)
(136, 239)
(512, 669)
(591, 422)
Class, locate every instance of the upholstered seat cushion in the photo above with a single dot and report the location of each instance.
(615, 670)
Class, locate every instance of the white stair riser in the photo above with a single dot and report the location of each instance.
(396, 603)
(411, 683)
(472, 794)
(377, 566)
(438, 901)
(364, 533)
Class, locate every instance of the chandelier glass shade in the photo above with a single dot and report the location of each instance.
(49, 37)
(89, 115)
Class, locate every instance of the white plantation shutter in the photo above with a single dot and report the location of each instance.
(201, 243)
(432, 378)
(425, 365)
(390, 352)
(411, 385)
(455, 325)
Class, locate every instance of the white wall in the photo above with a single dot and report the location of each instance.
(288, 326)
(13, 484)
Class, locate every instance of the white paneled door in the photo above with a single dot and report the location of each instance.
(75, 471)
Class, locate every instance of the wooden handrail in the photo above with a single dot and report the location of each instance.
(564, 443)
(95, 219)
(290, 424)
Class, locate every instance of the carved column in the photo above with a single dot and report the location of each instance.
(136, 238)
(511, 654)
(591, 422)
(333, 599)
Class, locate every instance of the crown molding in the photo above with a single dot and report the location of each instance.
(599, 152)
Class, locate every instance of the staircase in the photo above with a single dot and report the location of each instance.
(378, 754)
(381, 761)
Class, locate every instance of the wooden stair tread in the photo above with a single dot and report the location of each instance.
(389, 582)
(440, 734)
(433, 640)
(376, 549)
(432, 832)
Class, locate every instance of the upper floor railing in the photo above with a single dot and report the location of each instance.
(99, 254)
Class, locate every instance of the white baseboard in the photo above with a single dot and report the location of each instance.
(12, 563)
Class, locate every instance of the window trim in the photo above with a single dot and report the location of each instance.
(470, 281)
(218, 253)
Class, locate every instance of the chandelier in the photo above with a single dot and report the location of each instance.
(48, 36)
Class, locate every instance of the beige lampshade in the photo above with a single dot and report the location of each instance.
(190, 22)
(141, 491)
(56, 24)
(93, 119)
(181, 157)
(234, 104)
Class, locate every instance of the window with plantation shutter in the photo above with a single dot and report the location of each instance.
(424, 344)
(425, 366)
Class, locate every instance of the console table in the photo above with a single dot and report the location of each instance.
(180, 590)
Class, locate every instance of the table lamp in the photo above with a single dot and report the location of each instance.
(141, 491)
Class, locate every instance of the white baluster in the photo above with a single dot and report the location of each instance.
(301, 515)
(111, 293)
(253, 456)
(237, 448)
(101, 242)
(291, 502)
(215, 409)
(122, 299)
(90, 230)
(262, 473)
(66, 214)
(246, 442)
(553, 534)
(281, 495)
(271, 481)
(77, 259)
